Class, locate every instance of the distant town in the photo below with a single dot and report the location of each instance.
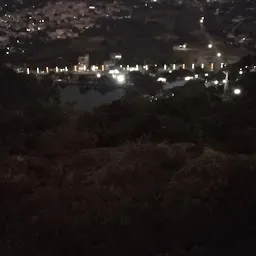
(147, 32)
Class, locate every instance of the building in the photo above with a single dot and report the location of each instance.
(83, 62)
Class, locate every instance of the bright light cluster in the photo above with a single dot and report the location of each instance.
(237, 91)
(161, 79)
(120, 79)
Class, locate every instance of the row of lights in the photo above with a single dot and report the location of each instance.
(136, 68)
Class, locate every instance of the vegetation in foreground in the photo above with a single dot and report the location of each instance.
(133, 178)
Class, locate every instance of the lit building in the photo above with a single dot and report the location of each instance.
(83, 62)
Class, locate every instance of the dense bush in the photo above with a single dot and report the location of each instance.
(139, 199)
(27, 106)
(193, 114)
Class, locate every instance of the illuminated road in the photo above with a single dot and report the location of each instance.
(210, 40)
(220, 56)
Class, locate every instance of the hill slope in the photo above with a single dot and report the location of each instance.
(138, 199)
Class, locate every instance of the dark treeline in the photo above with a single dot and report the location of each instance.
(132, 178)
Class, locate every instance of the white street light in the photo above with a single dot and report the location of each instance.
(120, 79)
(161, 79)
(209, 46)
(218, 54)
(237, 91)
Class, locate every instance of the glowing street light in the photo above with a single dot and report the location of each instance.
(120, 79)
(161, 79)
(118, 56)
(218, 54)
(237, 91)
(209, 46)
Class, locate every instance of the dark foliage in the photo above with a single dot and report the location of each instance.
(63, 192)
